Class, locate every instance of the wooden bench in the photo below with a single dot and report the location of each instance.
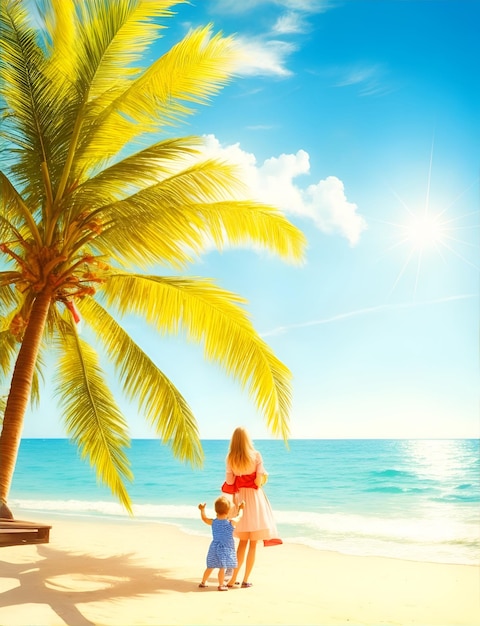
(18, 533)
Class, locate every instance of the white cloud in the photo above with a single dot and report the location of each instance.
(242, 6)
(331, 210)
(274, 182)
(308, 6)
(261, 127)
(370, 79)
(261, 57)
(290, 23)
(265, 54)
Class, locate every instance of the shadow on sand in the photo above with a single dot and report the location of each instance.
(64, 580)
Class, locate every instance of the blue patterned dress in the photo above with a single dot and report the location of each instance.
(221, 552)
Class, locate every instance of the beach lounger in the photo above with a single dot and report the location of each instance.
(18, 532)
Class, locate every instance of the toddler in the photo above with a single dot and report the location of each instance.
(221, 552)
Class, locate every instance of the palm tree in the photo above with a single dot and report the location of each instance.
(91, 201)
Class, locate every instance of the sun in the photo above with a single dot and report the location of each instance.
(426, 231)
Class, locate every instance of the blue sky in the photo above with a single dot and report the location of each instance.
(359, 120)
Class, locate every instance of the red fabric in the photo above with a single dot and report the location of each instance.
(248, 481)
(226, 488)
(272, 542)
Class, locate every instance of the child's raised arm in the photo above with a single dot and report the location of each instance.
(234, 520)
(206, 519)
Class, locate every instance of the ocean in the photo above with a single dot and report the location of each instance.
(411, 499)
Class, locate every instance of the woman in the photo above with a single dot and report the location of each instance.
(245, 476)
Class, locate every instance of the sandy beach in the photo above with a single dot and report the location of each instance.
(130, 573)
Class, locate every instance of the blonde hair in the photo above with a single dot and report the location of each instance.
(222, 505)
(241, 453)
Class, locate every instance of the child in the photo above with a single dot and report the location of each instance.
(221, 552)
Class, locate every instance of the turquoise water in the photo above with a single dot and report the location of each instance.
(412, 499)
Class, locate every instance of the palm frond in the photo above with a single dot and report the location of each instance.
(113, 37)
(21, 62)
(8, 351)
(110, 37)
(61, 28)
(41, 105)
(15, 213)
(92, 419)
(171, 219)
(9, 348)
(38, 380)
(9, 299)
(163, 405)
(204, 181)
(135, 172)
(192, 71)
(213, 317)
(241, 223)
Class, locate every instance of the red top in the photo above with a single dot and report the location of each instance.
(247, 480)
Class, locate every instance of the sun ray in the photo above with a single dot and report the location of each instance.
(429, 179)
(417, 273)
(460, 256)
(402, 271)
(426, 231)
(462, 193)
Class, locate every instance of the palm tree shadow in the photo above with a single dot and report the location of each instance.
(63, 580)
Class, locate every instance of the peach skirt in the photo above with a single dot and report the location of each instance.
(257, 522)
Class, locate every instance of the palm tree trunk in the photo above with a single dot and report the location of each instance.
(19, 396)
